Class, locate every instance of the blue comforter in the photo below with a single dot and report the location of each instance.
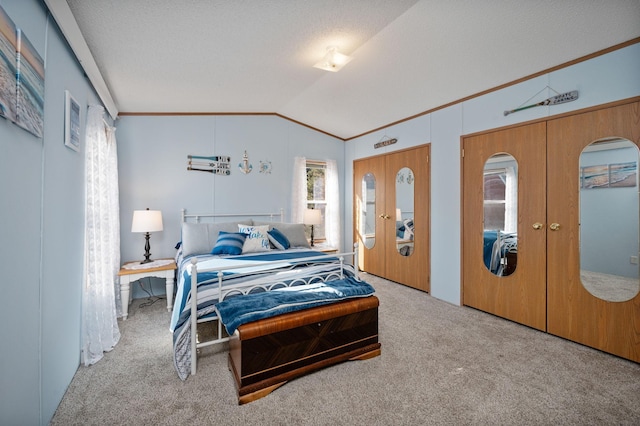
(235, 311)
(289, 269)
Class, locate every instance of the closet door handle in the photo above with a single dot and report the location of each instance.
(537, 226)
(554, 226)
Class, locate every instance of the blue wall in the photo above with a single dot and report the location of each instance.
(609, 220)
(152, 160)
(41, 222)
(42, 231)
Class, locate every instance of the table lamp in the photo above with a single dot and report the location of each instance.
(312, 217)
(146, 221)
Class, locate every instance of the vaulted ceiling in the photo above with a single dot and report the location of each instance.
(257, 56)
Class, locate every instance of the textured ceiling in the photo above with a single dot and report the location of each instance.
(224, 56)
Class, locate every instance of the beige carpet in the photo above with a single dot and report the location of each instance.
(440, 365)
(613, 288)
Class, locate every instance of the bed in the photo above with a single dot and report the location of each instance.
(404, 236)
(500, 252)
(275, 290)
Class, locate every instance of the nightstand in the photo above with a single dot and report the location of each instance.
(133, 271)
(324, 248)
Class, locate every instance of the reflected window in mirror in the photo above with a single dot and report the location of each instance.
(367, 225)
(609, 216)
(500, 214)
(404, 213)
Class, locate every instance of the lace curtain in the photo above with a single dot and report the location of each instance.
(100, 331)
(332, 209)
(299, 190)
(511, 201)
(332, 221)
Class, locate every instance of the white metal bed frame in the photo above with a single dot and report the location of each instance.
(243, 288)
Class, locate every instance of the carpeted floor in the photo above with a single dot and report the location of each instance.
(440, 365)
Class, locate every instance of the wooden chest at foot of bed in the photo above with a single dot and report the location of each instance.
(265, 354)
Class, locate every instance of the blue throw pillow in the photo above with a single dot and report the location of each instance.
(278, 239)
(229, 243)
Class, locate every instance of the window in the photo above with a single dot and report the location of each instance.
(316, 195)
(495, 184)
(501, 199)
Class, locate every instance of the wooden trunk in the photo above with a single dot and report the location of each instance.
(265, 354)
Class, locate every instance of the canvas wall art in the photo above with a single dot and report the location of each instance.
(8, 82)
(30, 86)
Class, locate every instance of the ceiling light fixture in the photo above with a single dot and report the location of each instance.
(333, 61)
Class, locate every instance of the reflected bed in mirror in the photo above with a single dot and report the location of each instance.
(404, 211)
(500, 189)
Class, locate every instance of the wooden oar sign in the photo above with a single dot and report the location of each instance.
(385, 143)
(554, 100)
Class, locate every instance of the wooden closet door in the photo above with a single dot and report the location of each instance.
(371, 259)
(412, 270)
(521, 296)
(574, 313)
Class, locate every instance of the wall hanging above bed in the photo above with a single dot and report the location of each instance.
(217, 165)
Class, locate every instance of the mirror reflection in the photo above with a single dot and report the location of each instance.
(500, 210)
(404, 211)
(368, 211)
(609, 216)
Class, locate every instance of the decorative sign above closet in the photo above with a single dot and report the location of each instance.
(218, 165)
(560, 98)
(385, 141)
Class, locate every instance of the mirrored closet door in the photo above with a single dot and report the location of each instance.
(391, 215)
(550, 226)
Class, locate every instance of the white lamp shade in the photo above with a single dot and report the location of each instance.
(146, 221)
(312, 217)
(398, 215)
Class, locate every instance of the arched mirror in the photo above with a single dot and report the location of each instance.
(609, 216)
(368, 215)
(500, 190)
(404, 211)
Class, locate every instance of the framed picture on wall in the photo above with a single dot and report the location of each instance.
(8, 81)
(71, 122)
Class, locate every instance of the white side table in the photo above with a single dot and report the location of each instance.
(325, 248)
(128, 275)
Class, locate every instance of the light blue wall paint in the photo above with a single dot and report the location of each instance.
(42, 199)
(607, 78)
(152, 155)
(609, 220)
(41, 229)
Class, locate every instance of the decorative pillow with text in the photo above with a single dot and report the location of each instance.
(257, 238)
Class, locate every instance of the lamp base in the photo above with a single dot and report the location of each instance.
(147, 247)
(312, 236)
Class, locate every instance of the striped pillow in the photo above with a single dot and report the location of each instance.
(278, 239)
(229, 243)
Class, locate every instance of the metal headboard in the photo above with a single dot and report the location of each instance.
(193, 217)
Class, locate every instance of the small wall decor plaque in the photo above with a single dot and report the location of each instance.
(265, 167)
(245, 167)
(217, 164)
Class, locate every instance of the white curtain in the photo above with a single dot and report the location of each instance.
(511, 201)
(332, 210)
(100, 331)
(299, 190)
